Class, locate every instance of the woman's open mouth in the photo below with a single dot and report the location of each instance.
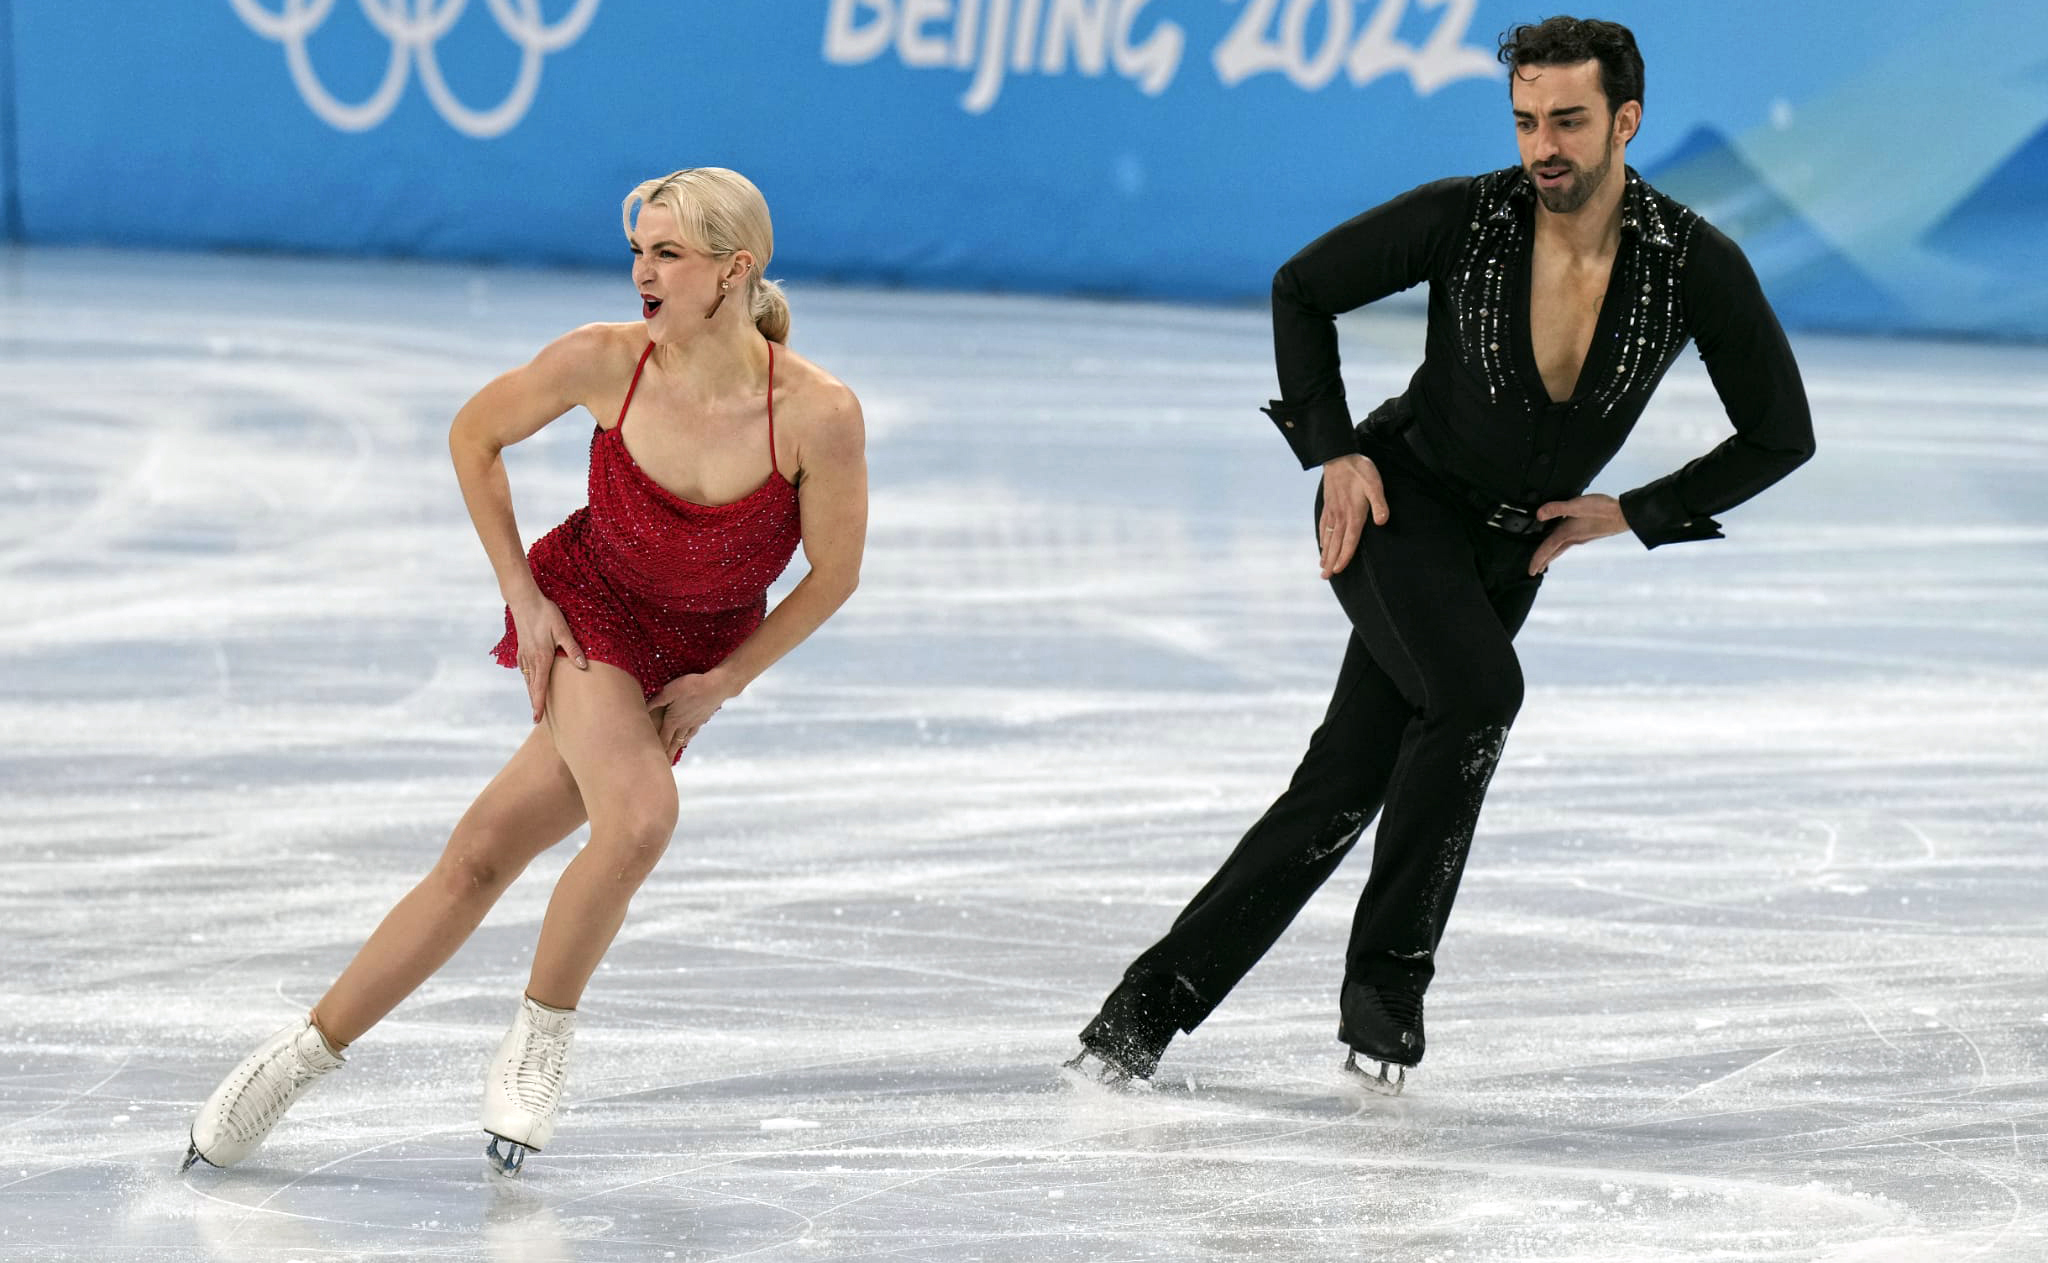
(649, 305)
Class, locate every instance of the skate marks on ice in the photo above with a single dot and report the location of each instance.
(1265, 1170)
(1746, 964)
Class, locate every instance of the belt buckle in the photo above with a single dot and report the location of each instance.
(1512, 519)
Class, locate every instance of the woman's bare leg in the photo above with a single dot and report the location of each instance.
(528, 807)
(603, 733)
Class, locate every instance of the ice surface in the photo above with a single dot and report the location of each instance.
(1751, 961)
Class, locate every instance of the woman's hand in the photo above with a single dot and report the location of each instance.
(685, 704)
(540, 627)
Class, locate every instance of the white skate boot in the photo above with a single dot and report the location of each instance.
(523, 1084)
(248, 1103)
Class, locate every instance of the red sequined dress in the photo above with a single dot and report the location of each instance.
(654, 584)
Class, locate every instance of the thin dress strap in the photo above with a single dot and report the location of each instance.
(633, 386)
(771, 411)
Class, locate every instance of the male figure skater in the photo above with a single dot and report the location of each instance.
(1560, 292)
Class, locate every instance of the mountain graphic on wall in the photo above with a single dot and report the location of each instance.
(1808, 280)
(2000, 225)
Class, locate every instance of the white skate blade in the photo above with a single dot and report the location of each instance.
(1379, 1083)
(508, 1161)
(192, 1158)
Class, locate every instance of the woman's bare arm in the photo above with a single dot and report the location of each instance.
(514, 406)
(832, 489)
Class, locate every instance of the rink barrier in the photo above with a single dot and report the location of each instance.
(10, 149)
(1164, 148)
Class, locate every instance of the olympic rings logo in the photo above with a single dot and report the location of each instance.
(414, 27)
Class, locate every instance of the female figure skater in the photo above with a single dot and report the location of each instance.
(717, 450)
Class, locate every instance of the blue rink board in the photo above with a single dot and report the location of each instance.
(1175, 148)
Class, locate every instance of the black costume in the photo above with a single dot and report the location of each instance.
(1430, 682)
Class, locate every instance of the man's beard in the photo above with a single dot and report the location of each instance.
(1567, 198)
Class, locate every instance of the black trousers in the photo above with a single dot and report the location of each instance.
(1428, 689)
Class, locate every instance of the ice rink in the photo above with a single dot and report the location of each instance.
(1751, 961)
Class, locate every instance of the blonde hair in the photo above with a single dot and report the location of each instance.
(721, 212)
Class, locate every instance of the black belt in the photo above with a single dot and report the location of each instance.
(1499, 515)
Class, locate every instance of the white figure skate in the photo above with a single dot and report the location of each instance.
(523, 1084)
(256, 1093)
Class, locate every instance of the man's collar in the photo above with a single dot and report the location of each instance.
(1640, 213)
(1521, 195)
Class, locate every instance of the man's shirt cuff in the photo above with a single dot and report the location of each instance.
(1317, 431)
(1658, 516)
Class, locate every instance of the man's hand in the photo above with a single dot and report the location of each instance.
(1585, 517)
(1351, 487)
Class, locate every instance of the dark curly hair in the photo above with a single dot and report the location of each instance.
(1568, 41)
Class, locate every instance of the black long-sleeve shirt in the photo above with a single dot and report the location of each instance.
(1478, 408)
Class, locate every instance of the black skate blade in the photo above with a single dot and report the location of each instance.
(1377, 1083)
(1089, 1068)
(508, 1162)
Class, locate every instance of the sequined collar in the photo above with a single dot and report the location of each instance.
(1640, 213)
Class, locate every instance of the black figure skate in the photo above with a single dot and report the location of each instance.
(1126, 1038)
(1383, 1024)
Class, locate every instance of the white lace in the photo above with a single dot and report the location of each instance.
(272, 1094)
(535, 1081)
